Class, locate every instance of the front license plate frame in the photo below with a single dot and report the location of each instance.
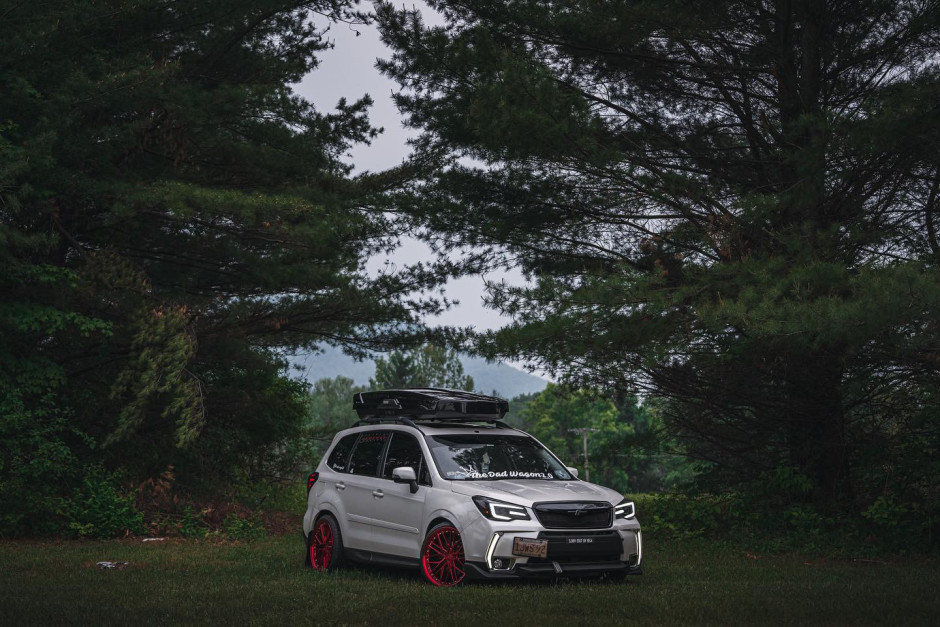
(530, 547)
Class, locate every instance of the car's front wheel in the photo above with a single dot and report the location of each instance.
(325, 545)
(442, 558)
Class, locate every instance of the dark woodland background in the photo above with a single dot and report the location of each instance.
(726, 212)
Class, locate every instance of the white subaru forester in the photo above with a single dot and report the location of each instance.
(431, 478)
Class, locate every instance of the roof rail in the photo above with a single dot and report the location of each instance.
(467, 422)
(372, 420)
(429, 404)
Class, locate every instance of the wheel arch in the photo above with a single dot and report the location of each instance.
(324, 510)
(439, 519)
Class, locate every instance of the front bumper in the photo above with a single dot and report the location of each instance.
(576, 553)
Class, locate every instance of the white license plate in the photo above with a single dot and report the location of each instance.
(529, 547)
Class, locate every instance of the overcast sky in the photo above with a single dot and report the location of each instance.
(349, 71)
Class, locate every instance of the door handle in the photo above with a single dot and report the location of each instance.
(377, 494)
(340, 485)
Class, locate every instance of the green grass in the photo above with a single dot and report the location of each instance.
(264, 583)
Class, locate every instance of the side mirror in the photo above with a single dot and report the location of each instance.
(406, 474)
(573, 471)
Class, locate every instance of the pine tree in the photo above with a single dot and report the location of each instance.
(398, 371)
(172, 217)
(727, 205)
(428, 365)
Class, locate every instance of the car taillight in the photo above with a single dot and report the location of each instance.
(311, 480)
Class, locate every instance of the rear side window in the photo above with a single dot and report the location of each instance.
(404, 450)
(365, 457)
(340, 454)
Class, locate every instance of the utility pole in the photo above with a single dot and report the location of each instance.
(584, 434)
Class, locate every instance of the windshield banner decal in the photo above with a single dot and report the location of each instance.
(509, 474)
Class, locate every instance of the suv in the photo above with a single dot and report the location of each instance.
(431, 478)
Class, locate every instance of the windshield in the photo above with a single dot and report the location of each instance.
(474, 457)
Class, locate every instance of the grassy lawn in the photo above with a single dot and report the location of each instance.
(189, 581)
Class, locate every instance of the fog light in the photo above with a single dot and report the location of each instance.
(492, 549)
(498, 563)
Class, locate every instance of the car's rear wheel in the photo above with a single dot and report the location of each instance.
(325, 545)
(442, 557)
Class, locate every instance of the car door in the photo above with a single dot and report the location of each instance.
(359, 484)
(399, 513)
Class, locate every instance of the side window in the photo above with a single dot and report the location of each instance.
(340, 454)
(404, 450)
(365, 457)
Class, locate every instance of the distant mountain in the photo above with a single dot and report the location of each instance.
(505, 380)
(333, 363)
(488, 377)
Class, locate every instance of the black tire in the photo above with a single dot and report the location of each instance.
(318, 556)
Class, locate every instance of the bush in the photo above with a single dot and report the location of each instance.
(685, 516)
(100, 509)
(274, 496)
(774, 520)
(37, 459)
(246, 528)
(191, 524)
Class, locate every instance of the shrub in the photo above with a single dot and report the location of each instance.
(191, 524)
(274, 496)
(100, 509)
(37, 459)
(246, 528)
(686, 516)
(773, 520)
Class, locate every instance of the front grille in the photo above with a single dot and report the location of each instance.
(574, 515)
(604, 546)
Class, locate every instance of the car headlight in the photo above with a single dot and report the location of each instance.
(499, 510)
(625, 510)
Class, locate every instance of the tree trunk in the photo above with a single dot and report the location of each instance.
(817, 430)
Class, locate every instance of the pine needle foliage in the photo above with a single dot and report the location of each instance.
(728, 205)
(173, 216)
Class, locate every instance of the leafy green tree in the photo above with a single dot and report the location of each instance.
(557, 415)
(331, 409)
(517, 407)
(728, 205)
(627, 448)
(654, 460)
(172, 215)
(426, 366)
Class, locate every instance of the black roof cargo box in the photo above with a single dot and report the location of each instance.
(429, 404)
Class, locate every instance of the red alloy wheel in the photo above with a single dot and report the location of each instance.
(442, 556)
(321, 546)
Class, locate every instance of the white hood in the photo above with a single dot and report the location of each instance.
(534, 491)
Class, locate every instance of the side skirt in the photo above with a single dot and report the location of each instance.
(370, 557)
